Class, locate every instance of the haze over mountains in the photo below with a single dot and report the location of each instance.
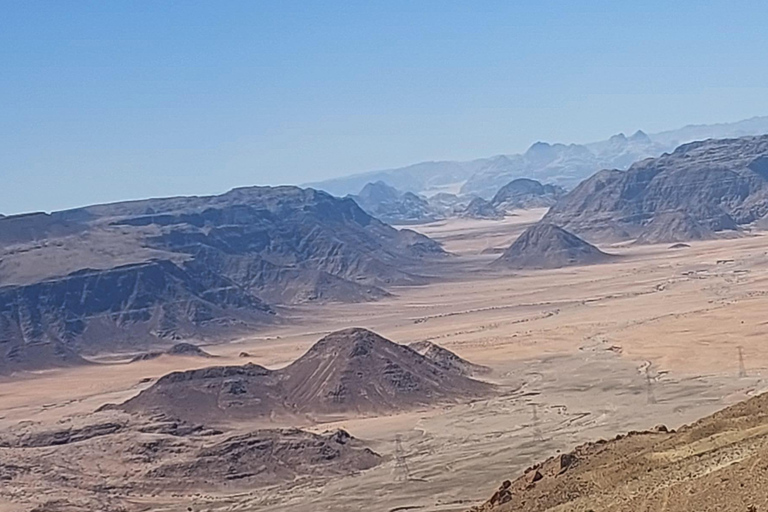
(700, 190)
(127, 274)
(392, 206)
(562, 164)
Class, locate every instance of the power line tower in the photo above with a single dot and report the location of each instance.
(742, 368)
(401, 466)
(649, 386)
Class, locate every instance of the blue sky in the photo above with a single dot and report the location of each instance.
(103, 101)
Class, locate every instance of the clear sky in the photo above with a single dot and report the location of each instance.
(108, 100)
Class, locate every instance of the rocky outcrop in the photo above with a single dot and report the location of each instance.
(524, 193)
(479, 208)
(163, 454)
(179, 349)
(394, 207)
(698, 191)
(449, 205)
(350, 371)
(269, 457)
(545, 245)
(448, 360)
(119, 275)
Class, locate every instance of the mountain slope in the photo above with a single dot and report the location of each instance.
(448, 360)
(39, 356)
(117, 275)
(705, 187)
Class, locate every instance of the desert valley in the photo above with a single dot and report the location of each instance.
(280, 349)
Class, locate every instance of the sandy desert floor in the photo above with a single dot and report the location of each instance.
(580, 353)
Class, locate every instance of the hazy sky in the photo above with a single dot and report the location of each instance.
(108, 100)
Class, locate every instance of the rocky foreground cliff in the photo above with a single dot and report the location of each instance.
(717, 464)
(135, 273)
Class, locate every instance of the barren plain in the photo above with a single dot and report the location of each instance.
(656, 336)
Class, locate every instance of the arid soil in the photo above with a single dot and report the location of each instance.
(717, 464)
(578, 354)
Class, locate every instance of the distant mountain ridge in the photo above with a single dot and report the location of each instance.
(561, 164)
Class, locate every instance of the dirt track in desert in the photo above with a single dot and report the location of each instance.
(579, 353)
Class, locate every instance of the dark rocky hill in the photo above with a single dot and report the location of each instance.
(524, 193)
(394, 207)
(126, 274)
(479, 208)
(354, 371)
(358, 370)
(448, 205)
(545, 245)
(179, 349)
(699, 190)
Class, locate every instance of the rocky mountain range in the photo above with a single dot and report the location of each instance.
(133, 273)
(700, 190)
(562, 164)
(350, 371)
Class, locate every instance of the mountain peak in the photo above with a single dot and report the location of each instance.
(640, 136)
(546, 245)
(539, 146)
